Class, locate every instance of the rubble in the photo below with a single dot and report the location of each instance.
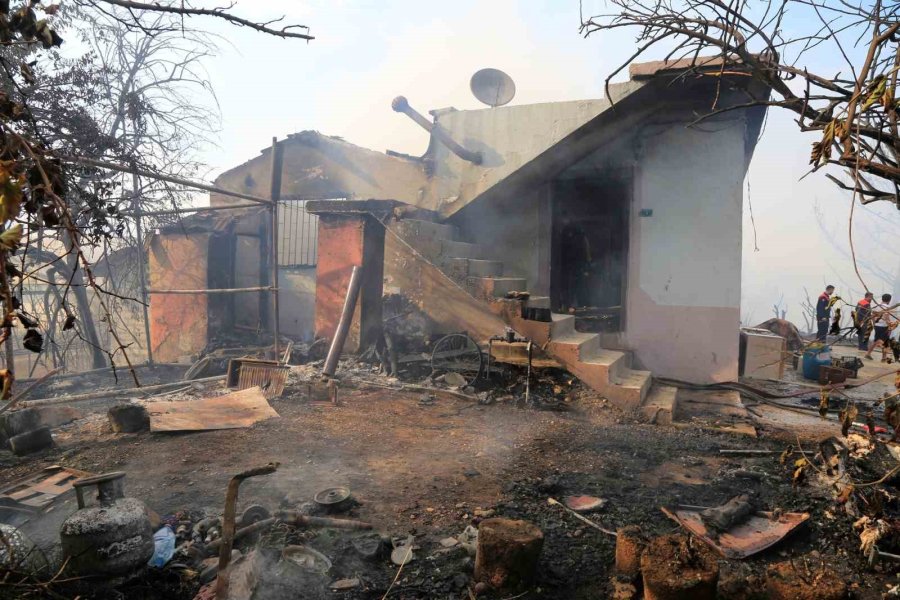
(675, 567)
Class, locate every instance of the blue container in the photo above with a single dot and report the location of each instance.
(814, 357)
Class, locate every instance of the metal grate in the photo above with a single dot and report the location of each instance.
(298, 234)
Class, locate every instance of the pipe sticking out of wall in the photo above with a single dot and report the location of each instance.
(401, 104)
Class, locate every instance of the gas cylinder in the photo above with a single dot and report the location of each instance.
(112, 538)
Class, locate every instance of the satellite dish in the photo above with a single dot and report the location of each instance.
(493, 87)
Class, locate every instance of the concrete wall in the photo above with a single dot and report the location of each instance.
(508, 137)
(684, 284)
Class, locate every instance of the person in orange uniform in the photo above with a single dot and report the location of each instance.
(863, 320)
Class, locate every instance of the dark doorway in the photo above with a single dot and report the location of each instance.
(589, 251)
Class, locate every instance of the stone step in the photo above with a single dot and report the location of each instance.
(495, 287)
(660, 404)
(461, 268)
(453, 249)
(414, 229)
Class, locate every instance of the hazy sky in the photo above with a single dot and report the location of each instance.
(366, 52)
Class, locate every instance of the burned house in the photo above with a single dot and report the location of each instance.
(621, 219)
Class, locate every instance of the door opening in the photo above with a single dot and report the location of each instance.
(589, 252)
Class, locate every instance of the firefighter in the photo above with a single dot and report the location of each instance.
(823, 313)
(863, 320)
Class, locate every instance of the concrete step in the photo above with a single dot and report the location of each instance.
(452, 249)
(495, 287)
(413, 229)
(539, 301)
(574, 346)
(561, 326)
(629, 389)
(473, 267)
(615, 362)
(660, 404)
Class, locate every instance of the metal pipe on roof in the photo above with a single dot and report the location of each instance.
(102, 164)
(401, 104)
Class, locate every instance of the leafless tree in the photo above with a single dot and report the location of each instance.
(74, 207)
(782, 44)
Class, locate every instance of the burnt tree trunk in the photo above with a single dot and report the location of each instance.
(507, 553)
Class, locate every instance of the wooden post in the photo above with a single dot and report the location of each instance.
(136, 203)
(275, 196)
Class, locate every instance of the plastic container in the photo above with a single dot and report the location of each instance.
(815, 356)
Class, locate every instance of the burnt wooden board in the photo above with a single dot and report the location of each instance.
(231, 411)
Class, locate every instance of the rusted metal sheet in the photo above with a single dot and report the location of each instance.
(762, 530)
(340, 249)
(269, 376)
(231, 411)
(178, 323)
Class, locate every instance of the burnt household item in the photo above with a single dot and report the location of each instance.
(507, 553)
(852, 364)
(334, 499)
(253, 514)
(128, 418)
(401, 104)
(31, 441)
(343, 328)
(112, 539)
(307, 559)
(832, 375)
(457, 353)
(761, 354)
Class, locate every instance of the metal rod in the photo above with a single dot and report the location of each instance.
(102, 164)
(274, 195)
(401, 104)
(231, 497)
(528, 377)
(138, 225)
(266, 288)
(340, 336)
(192, 209)
(123, 392)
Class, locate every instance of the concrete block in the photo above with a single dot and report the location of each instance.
(32, 441)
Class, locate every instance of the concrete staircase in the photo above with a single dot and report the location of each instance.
(609, 372)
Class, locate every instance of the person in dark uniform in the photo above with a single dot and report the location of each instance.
(863, 320)
(823, 314)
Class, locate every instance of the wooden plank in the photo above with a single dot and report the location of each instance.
(231, 411)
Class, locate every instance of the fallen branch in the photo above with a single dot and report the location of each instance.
(554, 502)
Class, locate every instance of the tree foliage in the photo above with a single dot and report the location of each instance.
(784, 45)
